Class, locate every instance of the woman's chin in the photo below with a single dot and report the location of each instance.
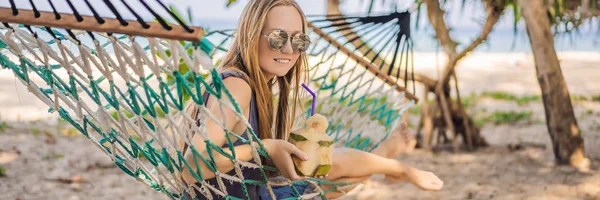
(277, 71)
(280, 73)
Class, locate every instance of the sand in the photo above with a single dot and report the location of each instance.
(41, 154)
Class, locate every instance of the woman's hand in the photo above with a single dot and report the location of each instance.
(281, 152)
(423, 179)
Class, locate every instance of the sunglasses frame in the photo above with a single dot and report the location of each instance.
(278, 33)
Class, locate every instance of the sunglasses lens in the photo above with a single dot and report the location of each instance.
(277, 39)
(300, 42)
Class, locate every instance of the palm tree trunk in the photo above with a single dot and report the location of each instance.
(562, 126)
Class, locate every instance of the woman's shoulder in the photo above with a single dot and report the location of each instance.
(233, 72)
(237, 84)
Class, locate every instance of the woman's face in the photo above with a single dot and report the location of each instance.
(278, 63)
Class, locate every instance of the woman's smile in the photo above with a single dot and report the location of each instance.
(282, 60)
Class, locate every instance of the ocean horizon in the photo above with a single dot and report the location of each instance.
(500, 39)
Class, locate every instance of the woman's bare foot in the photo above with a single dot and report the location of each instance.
(400, 141)
(422, 179)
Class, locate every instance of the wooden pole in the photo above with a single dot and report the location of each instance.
(69, 21)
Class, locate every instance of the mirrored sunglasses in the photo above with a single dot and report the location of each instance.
(278, 38)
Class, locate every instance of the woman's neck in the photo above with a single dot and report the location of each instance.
(268, 76)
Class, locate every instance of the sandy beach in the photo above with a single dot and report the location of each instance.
(44, 158)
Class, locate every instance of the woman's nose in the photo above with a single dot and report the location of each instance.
(287, 47)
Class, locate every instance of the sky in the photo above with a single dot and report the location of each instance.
(213, 11)
(464, 21)
(206, 11)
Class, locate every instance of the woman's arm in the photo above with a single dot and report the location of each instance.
(279, 150)
(241, 93)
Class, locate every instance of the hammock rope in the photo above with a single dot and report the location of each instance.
(126, 92)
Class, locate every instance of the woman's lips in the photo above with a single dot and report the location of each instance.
(282, 60)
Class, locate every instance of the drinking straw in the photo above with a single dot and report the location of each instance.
(312, 110)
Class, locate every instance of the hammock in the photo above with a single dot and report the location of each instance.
(123, 84)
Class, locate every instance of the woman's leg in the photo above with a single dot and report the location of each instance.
(400, 141)
(380, 161)
(352, 165)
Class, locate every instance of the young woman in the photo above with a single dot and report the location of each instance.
(268, 52)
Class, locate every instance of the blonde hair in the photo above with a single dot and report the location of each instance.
(243, 57)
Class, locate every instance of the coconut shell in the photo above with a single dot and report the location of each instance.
(313, 141)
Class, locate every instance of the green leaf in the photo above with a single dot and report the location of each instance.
(177, 13)
(418, 15)
(526, 99)
(510, 117)
(297, 137)
(579, 98)
(555, 11)
(170, 80)
(560, 6)
(371, 6)
(4, 125)
(322, 170)
(517, 13)
(500, 96)
(230, 2)
(190, 15)
(325, 143)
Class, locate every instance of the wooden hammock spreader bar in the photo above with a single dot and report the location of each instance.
(89, 23)
(371, 67)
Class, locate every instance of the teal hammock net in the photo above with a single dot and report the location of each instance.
(126, 93)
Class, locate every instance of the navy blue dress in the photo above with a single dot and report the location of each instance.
(233, 188)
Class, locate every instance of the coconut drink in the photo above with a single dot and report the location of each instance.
(313, 141)
(316, 144)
